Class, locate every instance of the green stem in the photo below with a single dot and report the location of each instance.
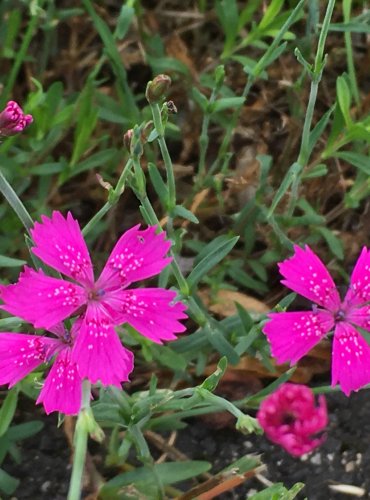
(349, 51)
(112, 199)
(304, 152)
(204, 138)
(153, 220)
(80, 445)
(12, 198)
(158, 124)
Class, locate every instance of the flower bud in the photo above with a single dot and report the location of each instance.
(127, 138)
(157, 88)
(13, 120)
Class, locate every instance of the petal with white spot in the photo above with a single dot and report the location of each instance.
(292, 334)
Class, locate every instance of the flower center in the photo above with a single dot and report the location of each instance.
(339, 316)
(288, 418)
(95, 294)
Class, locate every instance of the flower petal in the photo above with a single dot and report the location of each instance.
(42, 300)
(20, 354)
(62, 388)
(307, 275)
(99, 353)
(351, 355)
(60, 244)
(137, 255)
(293, 334)
(359, 288)
(151, 311)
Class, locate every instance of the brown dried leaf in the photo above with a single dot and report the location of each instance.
(225, 302)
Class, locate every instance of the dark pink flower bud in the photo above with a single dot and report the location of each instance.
(291, 418)
(13, 120)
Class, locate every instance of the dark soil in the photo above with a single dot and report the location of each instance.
(343, 459)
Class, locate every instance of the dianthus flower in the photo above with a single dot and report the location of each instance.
(20, 354)
(290, 418)
(13, 120)
(293, 334)
(45, 301)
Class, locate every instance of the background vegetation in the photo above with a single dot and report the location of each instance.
(269, 147)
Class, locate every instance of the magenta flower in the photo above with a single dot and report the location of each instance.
(46, 301)
(290, 418)
(293, 334)
(13, 120)
(20, 354)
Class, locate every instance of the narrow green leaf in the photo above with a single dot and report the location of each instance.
(360, 161)
(124, 21)
(168, 357)
(7, 410)
(290, 177)
(158, 183)
(212, 257)
(334, 243)
(10, 262)
(167, 473)
(246, 14)
(216, 338)
(270, 14)
(319, 128)
(8, 483)
(24, 431)
(275, 54)
(226, 103)
(278, 492)
(183, 212)
(211, 382)
(344, 99)
(317, 171)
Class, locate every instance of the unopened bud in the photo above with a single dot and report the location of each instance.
(157, 88)
(127, 137)
(13, 120)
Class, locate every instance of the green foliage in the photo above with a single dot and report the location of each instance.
(239, 99)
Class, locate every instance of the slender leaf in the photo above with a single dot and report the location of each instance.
(214, 255)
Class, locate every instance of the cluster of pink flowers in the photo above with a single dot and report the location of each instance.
(291, 419)
(13, 120)
(91, 349)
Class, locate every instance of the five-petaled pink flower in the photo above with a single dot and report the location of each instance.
(20, 354)
(290, 418)
(45, 301)
(13, 120)
(293, 334)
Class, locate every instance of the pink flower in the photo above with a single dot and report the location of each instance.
(290, 418)
(46, 301)
(20, 354)
(293, 334)
(13, 120)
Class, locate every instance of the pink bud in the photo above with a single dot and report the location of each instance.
(13, 120)
(291, 419)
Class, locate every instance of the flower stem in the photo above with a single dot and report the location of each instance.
(80, 444)
(159, 126)
(347, 4)
(12, 198)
